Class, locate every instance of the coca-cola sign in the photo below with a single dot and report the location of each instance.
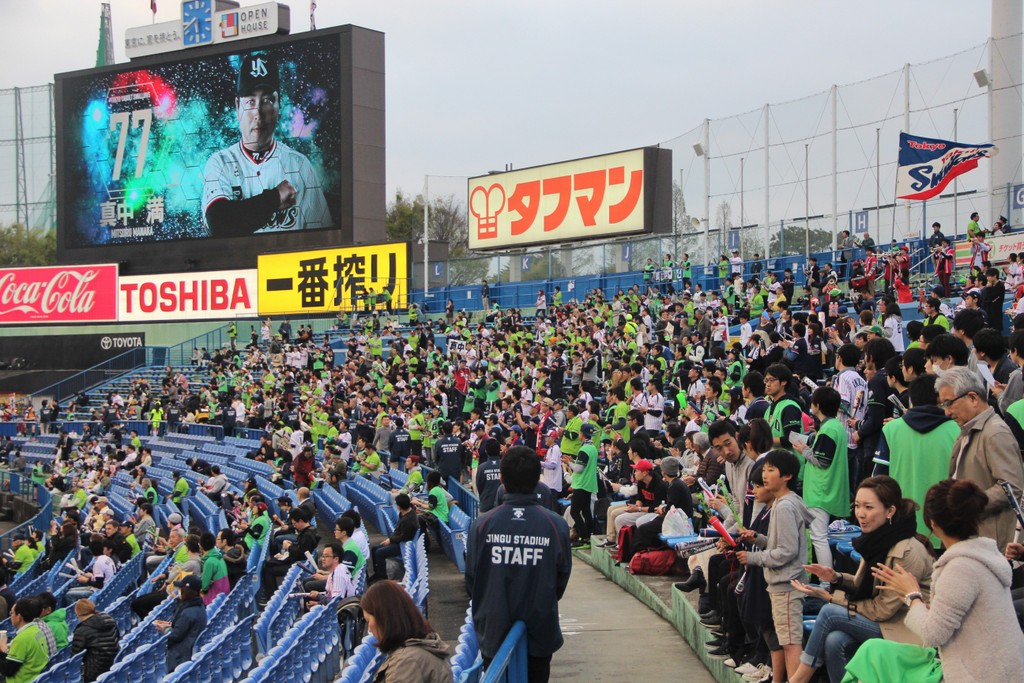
(63, 294)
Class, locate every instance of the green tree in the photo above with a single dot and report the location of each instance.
(21, 246)
(821, 240)
(404, 222)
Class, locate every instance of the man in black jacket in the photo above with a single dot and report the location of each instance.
(518, 562)
(97, 635)
(292, 551)
(448, 454)
(488, 475)
(404, 532)
(188, 622)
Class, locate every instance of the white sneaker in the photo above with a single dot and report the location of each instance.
(746, 668)
(731, 663)
(763, 673)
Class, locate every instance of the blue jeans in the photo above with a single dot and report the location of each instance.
(835, 639)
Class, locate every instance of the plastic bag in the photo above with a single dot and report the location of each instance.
(677, 523)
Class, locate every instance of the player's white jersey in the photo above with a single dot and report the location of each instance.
(232, 174)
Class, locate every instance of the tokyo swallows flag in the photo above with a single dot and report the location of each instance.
(927, 165)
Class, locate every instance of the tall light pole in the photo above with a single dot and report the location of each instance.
(741, 208)
(426, 238)
(807, 200)
(707, 186)
(1005, 73)
(956, 198)
(878, 186)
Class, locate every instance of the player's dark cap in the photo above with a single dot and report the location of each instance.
(257, 70)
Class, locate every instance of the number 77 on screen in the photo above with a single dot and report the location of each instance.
(131, 119)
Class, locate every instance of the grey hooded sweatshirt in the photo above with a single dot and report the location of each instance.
(785, 547)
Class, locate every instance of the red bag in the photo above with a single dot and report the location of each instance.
(655, 562)
(625, 552)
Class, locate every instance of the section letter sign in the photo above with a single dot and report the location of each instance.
(601, 196)
(333, 280)
(212, 295)
(58, 294)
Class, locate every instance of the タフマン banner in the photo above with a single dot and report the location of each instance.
(927, 165)
(593, 198)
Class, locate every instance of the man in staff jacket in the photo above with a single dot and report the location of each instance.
(518, 562)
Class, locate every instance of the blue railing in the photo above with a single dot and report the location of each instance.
(509, 663)
(96, 375)
(466, 499)
(524, 294)
(181, 353)
(25, 488)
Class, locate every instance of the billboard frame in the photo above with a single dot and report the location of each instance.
(362, 206)
(657, 210)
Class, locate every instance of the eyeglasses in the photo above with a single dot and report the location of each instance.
(770, 379)
(325, 556)
(250, 103)
(946, 405)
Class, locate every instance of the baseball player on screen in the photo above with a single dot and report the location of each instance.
(260, 185)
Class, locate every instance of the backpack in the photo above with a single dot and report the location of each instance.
(625, 552)
(653, 562)
(353, 625)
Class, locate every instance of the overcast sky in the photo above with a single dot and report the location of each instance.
(472, 86)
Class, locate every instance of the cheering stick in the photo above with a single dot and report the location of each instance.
(73, 567)
(717, 525)
(298, 595)
(309, 556)
(728, 501)
(1014, 502)
(708, 491)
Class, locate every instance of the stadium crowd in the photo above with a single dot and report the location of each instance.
(769, 413)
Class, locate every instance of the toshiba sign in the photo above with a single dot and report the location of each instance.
(187, 296)
(592, 198)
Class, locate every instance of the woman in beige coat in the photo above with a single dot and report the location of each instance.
(416, 654)
(858, 610)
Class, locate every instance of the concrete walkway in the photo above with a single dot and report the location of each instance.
(611, 636)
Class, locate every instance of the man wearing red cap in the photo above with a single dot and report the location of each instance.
(650, 493)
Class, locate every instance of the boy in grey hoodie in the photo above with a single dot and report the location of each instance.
(783, 553)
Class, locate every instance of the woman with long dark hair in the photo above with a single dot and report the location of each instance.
(415, 651)
(858, 610)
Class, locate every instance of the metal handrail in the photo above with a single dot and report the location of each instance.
(24, 487)
(509, 663)
(96, 375)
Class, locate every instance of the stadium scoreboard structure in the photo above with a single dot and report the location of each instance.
(145, 149)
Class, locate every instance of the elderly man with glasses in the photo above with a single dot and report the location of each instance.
(986, 452)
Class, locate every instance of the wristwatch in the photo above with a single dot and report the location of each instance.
(910, 597)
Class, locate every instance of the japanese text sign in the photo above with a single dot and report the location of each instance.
(588, 198)
(1002, 247)
(58, 294)
(331, 280)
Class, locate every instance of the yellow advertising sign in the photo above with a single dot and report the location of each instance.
(332, 280)
(602, 196)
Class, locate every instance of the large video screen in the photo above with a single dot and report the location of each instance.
(226, 146)
(201, 159)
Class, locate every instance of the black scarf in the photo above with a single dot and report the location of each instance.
(874, 546)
